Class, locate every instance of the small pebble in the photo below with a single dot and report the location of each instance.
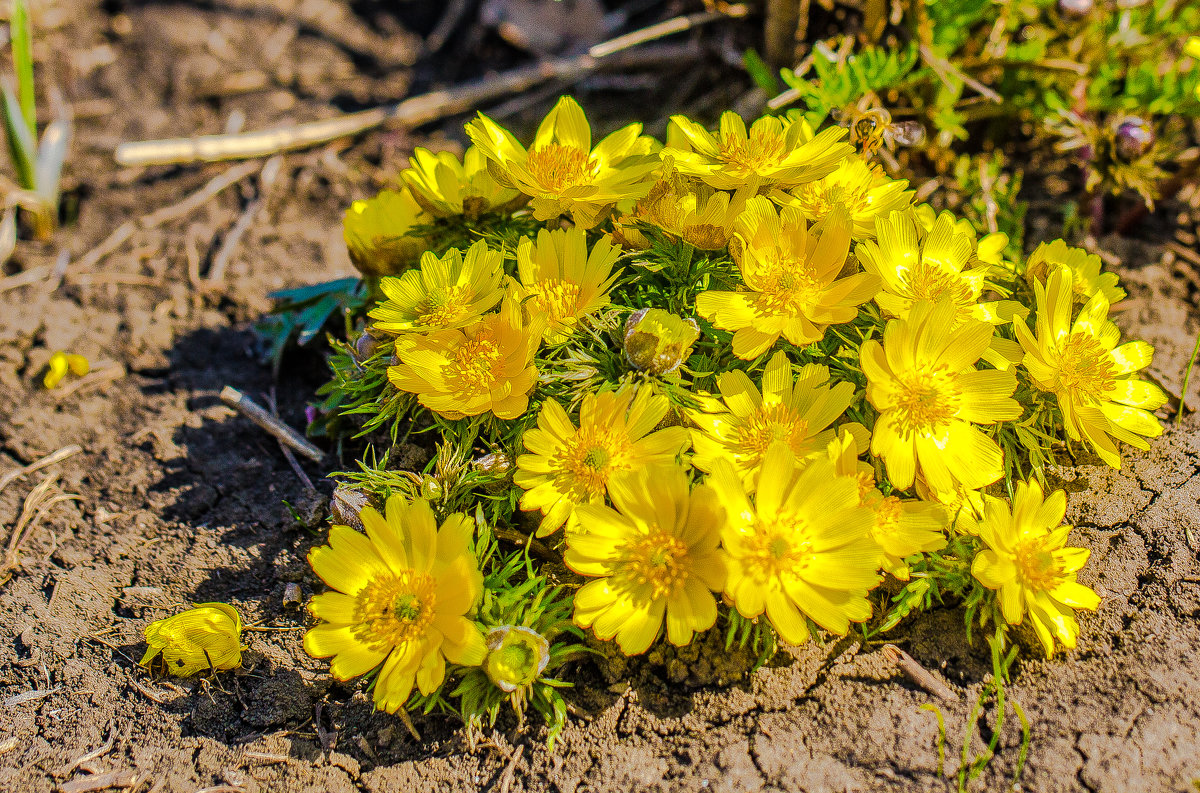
(292, 597)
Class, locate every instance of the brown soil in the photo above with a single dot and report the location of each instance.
(180, 500)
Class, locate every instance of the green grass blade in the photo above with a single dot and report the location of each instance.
(22, 50)
(21, 144)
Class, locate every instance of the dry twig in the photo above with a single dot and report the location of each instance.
(270, 172)
(37, 465)
(39, 501)
(276, 428)
(410, 112)
(123, 232)
(506, 778)
(919, 674)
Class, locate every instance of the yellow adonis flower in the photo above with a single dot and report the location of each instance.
(204, 638)
(378, 233)
(449, 292)
(657, 341)
(934, 265)
(484, 366)
(1027, 562)
(773, 152)
(791, 272)
(403, 593)
(901, 527)
(1091, 377)
(1086, 278)
(862, 188)
(795, 411)
(686, 210)
(801, 548)
(445, 187)
(563, 282)
(561, 172)
(568, 466)
(62, 362)
(930, 396)
(655, 557)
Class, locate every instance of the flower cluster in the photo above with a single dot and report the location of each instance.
(737, 378)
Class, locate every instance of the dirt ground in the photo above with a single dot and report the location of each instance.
(180, 500)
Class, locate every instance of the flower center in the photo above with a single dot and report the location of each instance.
(557, 299)
(1036, 565)
(762, 148)
(930, 281)
(443, 306)
(1085, 370)
(391, 611)
(473, 363)
(816, 199)
(585, 463)
(657, 560)
(770, 423)
(778, 548)
(887, 518)
(556, 167)
(786, 286)
(927, 399)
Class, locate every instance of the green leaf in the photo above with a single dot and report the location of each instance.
(21, 145)
(759, 72)
(22, 49)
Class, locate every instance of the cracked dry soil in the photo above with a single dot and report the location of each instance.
(180, 500)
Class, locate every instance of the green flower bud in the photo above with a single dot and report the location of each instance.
(516, 657)
(658, 341)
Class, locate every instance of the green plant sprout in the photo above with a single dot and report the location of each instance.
(38, 165)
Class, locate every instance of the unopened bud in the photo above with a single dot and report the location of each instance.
(365, 346)
(516, 656)
(1134, 137)
(658, 341)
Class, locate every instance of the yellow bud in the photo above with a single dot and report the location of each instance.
(377, 233)
(62, 362)
(201, 638)
(516, 656)
(657, 341)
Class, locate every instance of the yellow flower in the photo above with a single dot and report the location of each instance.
(797, 412)
(792, 279)
(930, 396)
(901, 527)
(561, 172)
(655, 555)
(1086, 278)
(801, 548)
(658, 341)
(1087, 372)
(569, 466)
(403, 591)
(934, 265)
(207, 637)
(62, 362)
(863, 189)
(683, 209)
(562, 281)
(774, 152)
(1027, 562)
(904, 527)
(445, 187)
(516, 657)
(444, 293)
(485, 366)
(378, 233)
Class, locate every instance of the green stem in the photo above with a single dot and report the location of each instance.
(1187, 379)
